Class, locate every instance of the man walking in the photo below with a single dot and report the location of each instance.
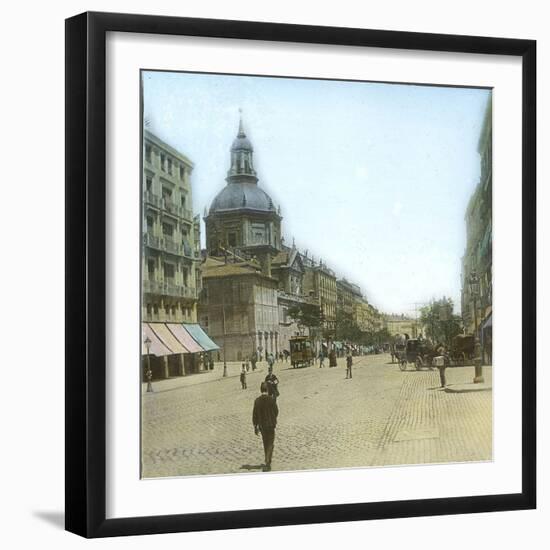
(440, 361)
(321, 358)
(243, 377)
(264, 419)
(272, 384)
(349, 362)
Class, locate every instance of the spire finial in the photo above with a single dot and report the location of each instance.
(241, 130)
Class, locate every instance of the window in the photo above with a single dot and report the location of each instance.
(167, 229)
(156, 309)
(162, 162)
(170, 166)
(232, 239)
(151, 268)
(182, 172)
(149, 223)
(169, 271)
(205, 322)
(183, 197)
(148, 153)
(149, 183)
(149, 310)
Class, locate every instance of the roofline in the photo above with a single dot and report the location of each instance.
(242, 209)
(148, 135)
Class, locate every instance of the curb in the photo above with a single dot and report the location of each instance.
(464, 388)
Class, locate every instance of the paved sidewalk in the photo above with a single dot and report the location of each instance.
(233, 369)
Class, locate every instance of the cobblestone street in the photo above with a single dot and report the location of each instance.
(382, 416)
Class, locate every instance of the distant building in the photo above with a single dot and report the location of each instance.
(366, 317)
(478, 255)
(347, 295)
(401, 324)
(171, 244)
(320, 286)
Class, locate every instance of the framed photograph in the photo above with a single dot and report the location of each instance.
(300, 274)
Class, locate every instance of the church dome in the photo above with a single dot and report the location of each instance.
(239, 196)
(241, 143)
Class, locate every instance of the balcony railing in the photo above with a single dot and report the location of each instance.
(153, 199)
(168, 204)
(177, 210)
(169, 289)
(171, 246)
(152, 241)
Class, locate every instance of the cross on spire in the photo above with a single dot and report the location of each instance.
(241, 130)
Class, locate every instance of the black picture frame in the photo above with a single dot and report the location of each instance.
(86, 273)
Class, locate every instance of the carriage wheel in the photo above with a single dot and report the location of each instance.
(418, 363)
(403, 364)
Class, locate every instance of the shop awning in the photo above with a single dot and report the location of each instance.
(201, 337)
(156, 347)
(178, 330)
(488, 322)
(168, 339)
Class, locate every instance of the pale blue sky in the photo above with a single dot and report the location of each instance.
(372, 178)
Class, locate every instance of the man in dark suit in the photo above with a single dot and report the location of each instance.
(272, 384)
(264, 419)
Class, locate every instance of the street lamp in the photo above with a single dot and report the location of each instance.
(224, 339)
(149, 372)
(474, 291)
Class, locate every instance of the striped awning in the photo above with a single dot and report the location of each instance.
(168, 339)
(201, 337)
(178, 330)
(156, 347)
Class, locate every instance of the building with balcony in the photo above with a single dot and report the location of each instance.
(170, 236)
(478, 256)
(320, 285)
(347, 295)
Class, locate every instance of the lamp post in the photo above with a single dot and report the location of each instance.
(149, 372)
(474, 291)
(224, 343)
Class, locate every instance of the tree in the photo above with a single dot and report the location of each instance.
(440, 323)
(346, 327)
(306, 315)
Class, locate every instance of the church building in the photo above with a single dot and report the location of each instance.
(250, 278)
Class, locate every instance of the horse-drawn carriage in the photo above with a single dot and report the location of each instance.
(418, 353)
(462, 349)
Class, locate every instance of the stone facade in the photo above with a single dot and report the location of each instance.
(239, 308)
(320, 285)
(478, 255)
(171, 235)
(401, 324)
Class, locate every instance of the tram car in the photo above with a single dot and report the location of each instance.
(301, 351)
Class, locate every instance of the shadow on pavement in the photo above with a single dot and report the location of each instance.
(252, 467)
